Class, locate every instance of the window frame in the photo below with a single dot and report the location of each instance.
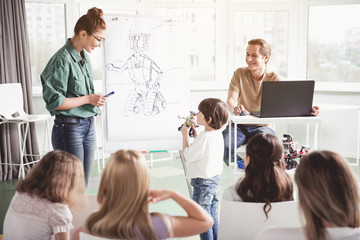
(292, 51)
(225, 10)
(69, 16)
(323, 86)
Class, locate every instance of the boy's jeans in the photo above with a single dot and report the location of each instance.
(206, 194)
(77, 136)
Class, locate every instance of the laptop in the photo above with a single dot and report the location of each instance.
(286, 99)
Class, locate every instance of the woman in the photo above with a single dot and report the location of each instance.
(123, 199)
(265, 177)
(68, 90)
(42, 202)
(328, 197)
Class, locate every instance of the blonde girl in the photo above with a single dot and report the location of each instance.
(123, 198)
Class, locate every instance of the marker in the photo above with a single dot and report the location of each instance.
(109, 94)
(155, 151)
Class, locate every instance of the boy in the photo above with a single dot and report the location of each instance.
(204, 157)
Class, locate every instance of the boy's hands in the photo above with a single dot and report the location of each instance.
(184, 130)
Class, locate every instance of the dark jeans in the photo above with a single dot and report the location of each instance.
(75, 135)
(206, 193)
(244, 133)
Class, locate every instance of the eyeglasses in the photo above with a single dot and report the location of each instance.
(100, 40)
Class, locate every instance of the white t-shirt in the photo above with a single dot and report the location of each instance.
(34, 218)
(340, 233)
(205, 155)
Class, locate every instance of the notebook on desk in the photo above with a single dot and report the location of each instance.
(286, 99)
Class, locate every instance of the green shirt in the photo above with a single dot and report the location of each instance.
(68, 75)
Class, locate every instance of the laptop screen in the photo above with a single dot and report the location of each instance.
(287, 98)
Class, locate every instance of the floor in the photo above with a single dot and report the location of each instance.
(165, 174)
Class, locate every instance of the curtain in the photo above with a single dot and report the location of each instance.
(15, 68)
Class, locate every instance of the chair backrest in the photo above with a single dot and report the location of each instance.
(80, 215)
(85, 236)
(11, 100)
(244, 220)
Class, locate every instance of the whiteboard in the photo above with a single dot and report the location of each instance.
(145, 65)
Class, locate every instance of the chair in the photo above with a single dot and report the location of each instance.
(12, 112)
(80, 215)
(85, 236)
(244, 220)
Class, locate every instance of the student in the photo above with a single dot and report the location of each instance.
(265, 177)
(244, 92)
(123, 198)
(329, 200)
(204, 157)
(40, 206)
(68, 90)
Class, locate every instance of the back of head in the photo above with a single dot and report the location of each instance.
(328, 191)
(58, 177)
(265, 177)
(123, 198)
(215, 112)
(90, 22)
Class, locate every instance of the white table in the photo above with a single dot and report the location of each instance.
(249, 119)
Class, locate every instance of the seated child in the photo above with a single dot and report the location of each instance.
(328, 198)
(265, 178)
(40, 206)
(204, 157)
(123, 198)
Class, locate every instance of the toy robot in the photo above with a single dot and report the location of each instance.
(291, 152)
(190, 122)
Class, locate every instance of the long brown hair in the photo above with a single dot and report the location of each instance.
(265, 177)
(123, 199)
(90, 22)
(58, 177)
(328, 191)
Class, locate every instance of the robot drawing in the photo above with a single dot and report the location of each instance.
(145, 97)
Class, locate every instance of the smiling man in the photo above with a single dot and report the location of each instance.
(244, 92)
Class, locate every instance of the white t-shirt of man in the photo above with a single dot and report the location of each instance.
(205, 154)
(337, 233)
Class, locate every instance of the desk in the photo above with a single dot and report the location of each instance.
(249, 119)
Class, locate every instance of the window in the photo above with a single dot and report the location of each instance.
(269, 25)
(123, 7)
(334, 43)
(201, 50)
(47, 34)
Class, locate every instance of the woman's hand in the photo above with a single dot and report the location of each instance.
(97, 99)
